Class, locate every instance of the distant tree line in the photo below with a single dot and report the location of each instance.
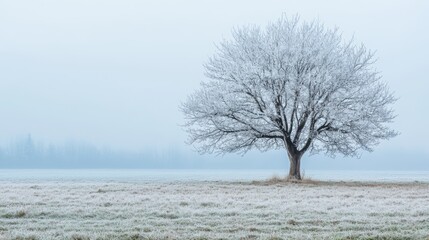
(25, 152)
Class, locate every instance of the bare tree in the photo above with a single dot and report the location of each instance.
(292, 85)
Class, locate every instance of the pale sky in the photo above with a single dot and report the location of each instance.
(113, 73)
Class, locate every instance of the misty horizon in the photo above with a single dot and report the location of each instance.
(28, 152)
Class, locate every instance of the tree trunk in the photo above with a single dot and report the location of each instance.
(295, 166)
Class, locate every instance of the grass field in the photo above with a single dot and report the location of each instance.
(213, 210)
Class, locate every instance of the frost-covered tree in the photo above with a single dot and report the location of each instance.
(293, 85)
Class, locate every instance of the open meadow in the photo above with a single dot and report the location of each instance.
(213, 210)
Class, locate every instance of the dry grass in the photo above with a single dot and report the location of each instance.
(17, 214)
(284, 180)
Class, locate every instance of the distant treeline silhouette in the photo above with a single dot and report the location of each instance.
(28, 153)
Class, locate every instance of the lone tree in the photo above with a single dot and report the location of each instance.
(293, 85)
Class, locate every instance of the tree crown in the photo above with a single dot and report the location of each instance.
(293, 84)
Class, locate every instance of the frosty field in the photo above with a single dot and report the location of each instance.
(196, 209)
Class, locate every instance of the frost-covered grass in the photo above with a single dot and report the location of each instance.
(213, 210)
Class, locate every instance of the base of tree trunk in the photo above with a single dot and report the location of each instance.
(295, 167)
(294, 177)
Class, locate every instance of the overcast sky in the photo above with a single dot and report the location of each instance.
(113, 73)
